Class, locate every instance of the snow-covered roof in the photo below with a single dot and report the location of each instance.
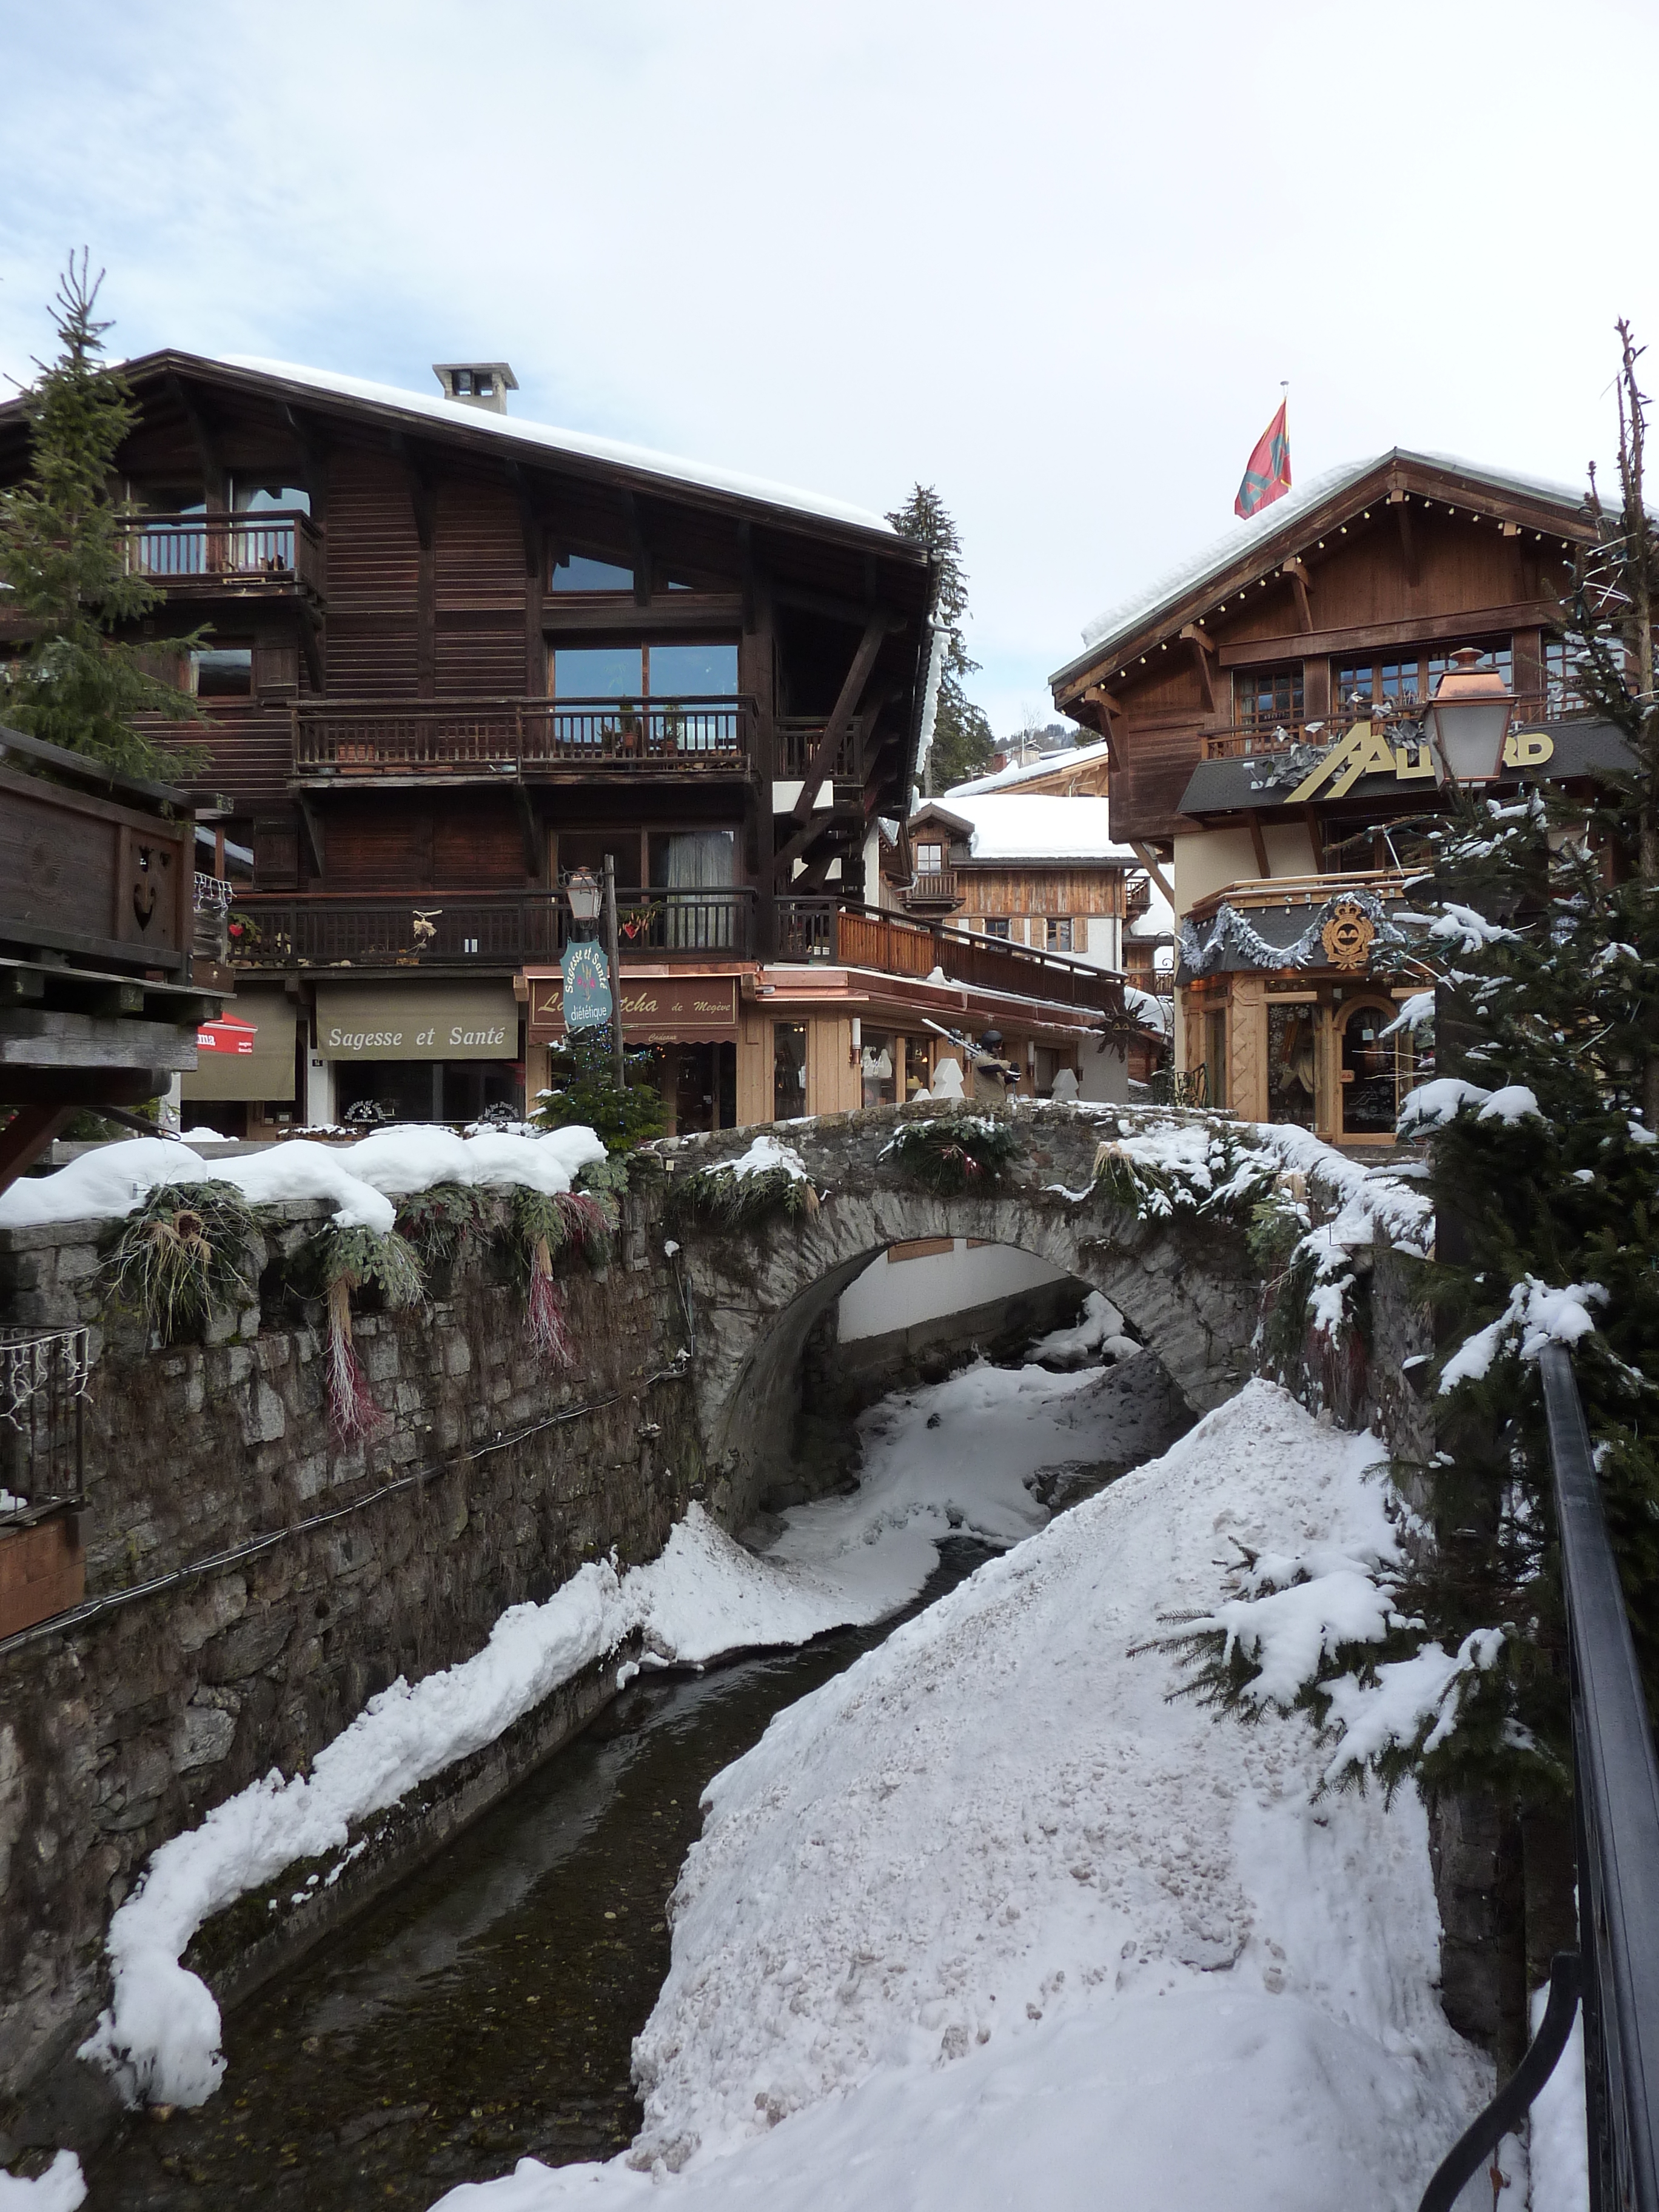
(514, 429)
(1037, 826)
(1048, 764)
(1133, 614)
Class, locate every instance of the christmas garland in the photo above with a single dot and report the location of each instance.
(956, 1152)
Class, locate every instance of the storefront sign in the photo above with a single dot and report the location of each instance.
(384, 1022)
(587, 998)
(656, 1009)
(1369, 750)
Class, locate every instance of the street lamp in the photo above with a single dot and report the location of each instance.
(585, 894)
(1469, 718)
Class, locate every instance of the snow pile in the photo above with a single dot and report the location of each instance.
(61, 2188)
(1558, 2142)
(1097, 1332)
(1537, 1314)
(955, 1457)
(359, 1181)
(1432, 1104)
(988, 1918)
(762, 1157)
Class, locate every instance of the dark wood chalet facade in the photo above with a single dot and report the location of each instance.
(1263, 711)
(455, 657)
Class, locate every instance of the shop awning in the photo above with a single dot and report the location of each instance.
(417, 1021)
(673, 1008)
(249, 1053)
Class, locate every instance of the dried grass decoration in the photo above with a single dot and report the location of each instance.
(956, 1152)
(740, 1195)
(182, 1254)
(440, 1222)
(545, 1224)
(352, 1257)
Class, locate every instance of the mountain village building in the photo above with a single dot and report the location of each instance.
(456, 657)
(1263, 711)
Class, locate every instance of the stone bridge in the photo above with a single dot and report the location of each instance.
(1188, 1289)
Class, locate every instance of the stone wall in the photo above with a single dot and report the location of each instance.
(179, 1683)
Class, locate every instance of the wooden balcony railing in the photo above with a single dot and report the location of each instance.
(933, 887)
(1298, 890)
(458, 737)
(281, 550)
(477, 929)
(798, 739)
(1137, 897)
(1269, 734)
(859, 937)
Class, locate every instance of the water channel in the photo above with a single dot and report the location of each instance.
(483, 2011)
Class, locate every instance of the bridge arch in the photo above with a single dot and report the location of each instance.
(1191, 1295)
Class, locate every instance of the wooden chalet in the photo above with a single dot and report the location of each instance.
(455, 657)
(1262, 710)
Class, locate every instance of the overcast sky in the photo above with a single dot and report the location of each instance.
(1052, 259)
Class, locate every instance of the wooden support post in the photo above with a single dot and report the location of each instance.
(1402, 505)
(846, 705)
(1302, 584)
(26, 1135)
(1148, 861)
(1258, 843)
(1203, 648)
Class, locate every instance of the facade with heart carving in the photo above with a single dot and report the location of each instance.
(1267, 713)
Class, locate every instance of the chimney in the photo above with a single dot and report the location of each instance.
(477, 383)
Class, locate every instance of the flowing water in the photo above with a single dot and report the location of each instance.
(485, 2010)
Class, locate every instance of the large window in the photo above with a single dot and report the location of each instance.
(576, 572)
(1563, 694)
(1405, 675)
(1265, 697)
(645, 671)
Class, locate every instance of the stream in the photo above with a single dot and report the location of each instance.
(485, 2009)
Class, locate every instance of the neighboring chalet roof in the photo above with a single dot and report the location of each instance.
(1028, 827)
(1054, 764)
(1249, 547)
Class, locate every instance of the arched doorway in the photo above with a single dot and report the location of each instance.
(1373, 1068)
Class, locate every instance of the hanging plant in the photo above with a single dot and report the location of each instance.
(183, 1253)
(439, 1223)
(769, 1179)
(545, 1224)
(352, 1257)
(956, 1152)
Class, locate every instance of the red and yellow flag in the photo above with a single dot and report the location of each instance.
(1267, 472)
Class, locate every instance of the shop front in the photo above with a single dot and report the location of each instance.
(419, 1052)
(689, 1022)
(247, 1093)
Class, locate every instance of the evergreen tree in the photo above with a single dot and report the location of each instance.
(582, 1090)
(963, 743)
(63, 555)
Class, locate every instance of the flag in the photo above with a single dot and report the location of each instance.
(1267, 472)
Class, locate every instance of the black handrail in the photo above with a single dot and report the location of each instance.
(1616, 1810)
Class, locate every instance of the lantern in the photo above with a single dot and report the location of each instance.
(1470, 720)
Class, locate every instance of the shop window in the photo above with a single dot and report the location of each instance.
(918, 1064)
(223, 672)
(788, 1070)
(1370, 1071)
(1059, 932)
(877, 1062)
(1291, 1060)
(1263, 697)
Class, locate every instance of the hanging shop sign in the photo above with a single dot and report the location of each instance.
(389, 1022)
(587, 992)
(1368, 750)
(656, 1009)
(246, 1054)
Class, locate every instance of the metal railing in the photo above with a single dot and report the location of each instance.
(343, 738)
(43, 1391)
(282, 548)
(1272, 733)
(862, 937)
(482, 929)
(1616, 1815)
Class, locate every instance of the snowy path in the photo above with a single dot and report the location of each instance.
(987, 1919)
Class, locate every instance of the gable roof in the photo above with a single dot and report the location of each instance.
(1050, 764)
(1029, 826)
(1275, 534)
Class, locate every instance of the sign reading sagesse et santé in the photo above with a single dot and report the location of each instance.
(424, 1021)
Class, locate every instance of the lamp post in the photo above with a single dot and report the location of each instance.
(589, 899)
(1469, 720)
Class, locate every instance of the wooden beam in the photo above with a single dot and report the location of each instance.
(202, 438)
(1476, 622)
(746, 569)
(423, 506)
(1302, 585)
(314, 831)
(26, 1135)
(312, 444)
(851, 611)
(1258, 843)
(1107, 712)
(1203, 653)
(529, 828)
(639, 550)
(534, 544)
(1148, 861)
(1316, 832)
(311, 644)
(1402, 516)
(846, 705)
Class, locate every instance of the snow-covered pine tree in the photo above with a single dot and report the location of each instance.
(76, 684)
(962, 743)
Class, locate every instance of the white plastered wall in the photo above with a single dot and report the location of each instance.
(898, 1293)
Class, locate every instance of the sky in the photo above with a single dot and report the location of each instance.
(1055, 260)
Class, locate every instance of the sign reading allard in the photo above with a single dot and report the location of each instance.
(656, 1009)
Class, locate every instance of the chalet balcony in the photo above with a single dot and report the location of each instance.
(462, 740)
(797, 738)
(1137, 898)
(470, 930)
(859, 937)
(1274, 734)
(278, 553)
(932, 891)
